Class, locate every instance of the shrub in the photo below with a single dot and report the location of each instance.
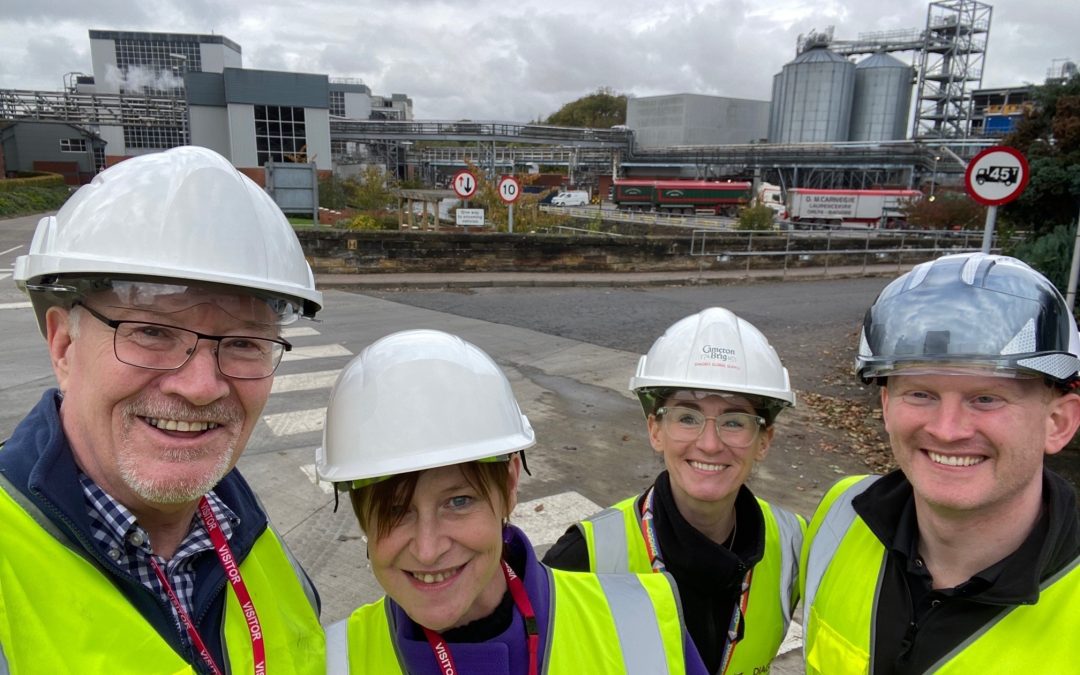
(758, 217)
(37, 180)
(363, 221)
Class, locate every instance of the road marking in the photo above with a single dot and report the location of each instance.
(323, 379)
(794, 638)
(296, 422)
(13, 248)
(309, 471)
(298, 331)
(14, 305)
(546, 519)
(316, 352)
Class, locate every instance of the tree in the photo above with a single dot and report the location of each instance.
(371, 192)
(1049, 136)
(600, 110)
(946, 211)
(1050, 254)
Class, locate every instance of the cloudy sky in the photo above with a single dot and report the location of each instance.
(517, 61)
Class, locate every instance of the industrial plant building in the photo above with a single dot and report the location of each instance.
(693, 119)
(151, 91)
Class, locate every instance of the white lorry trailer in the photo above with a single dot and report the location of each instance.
(836, 208)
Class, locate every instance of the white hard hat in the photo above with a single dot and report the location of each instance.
(714, 350)
(416, 400)
(182, 214)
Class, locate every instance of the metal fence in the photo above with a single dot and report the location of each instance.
(847, 248)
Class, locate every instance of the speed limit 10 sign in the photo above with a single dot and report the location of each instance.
(509, 189)
(996, 176)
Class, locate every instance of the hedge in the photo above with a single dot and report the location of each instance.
(37, 180)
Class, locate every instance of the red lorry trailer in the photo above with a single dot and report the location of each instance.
(681, 196)
(835, 208)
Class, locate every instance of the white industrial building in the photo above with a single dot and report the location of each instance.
(249, 116)
(695, 119)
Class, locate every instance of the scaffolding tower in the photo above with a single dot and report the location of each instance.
(951, 67)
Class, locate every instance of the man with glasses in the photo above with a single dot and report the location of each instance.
(967, 558)
(129, 542)
(711, 388)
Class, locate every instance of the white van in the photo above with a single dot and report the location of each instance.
(571, 198)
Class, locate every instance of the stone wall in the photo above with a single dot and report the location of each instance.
(340, 251)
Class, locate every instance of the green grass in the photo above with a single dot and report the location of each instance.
(28, 200)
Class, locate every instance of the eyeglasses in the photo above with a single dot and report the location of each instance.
(736, 429)
(159, 346)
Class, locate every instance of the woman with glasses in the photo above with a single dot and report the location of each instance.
(711, 388)
(423, 432)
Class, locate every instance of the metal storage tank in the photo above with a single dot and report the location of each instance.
(812, 99)
(879, 110)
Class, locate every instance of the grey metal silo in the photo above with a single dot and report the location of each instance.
(812, 99)
(879, 110)
(775, 106)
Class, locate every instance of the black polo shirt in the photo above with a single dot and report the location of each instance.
(916, 625)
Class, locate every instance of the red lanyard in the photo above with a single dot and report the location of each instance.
(521, 601)
(648, 530)
(232, 572)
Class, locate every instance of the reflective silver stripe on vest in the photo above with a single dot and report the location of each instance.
(635, 623)
(609, 541)
(822, 549)
(3, 662)
(337, 647)
(790, 536)
(1005, 612)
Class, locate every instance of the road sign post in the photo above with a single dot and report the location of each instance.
(509, 191)
(994, 177)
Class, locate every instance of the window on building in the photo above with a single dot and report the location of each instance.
(280, 134)
(156, 66)
(337, 103)
(137, 136)
(72, 145)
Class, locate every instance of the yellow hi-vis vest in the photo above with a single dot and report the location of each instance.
(600, 624)
(843, 563)
(616, 544)
(59, 613)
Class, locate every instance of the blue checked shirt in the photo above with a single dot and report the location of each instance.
(128, 545)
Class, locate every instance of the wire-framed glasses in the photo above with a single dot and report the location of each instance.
(159, 346)
(736, 429)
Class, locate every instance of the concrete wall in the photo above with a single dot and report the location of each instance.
(345, 252)
(217, 57)
(103, 59)
(357, 105)
(210, 128)
(317, 127)
(242, 135)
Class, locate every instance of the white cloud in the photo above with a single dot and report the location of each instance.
(497, 60)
